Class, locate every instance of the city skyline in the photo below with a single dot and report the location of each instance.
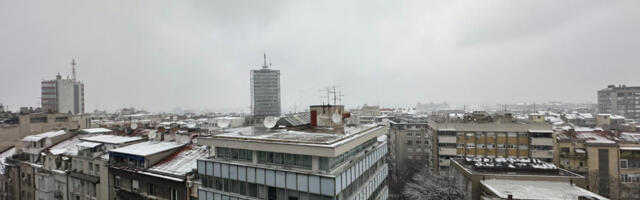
(199, 53)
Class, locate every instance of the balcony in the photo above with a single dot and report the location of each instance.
(447, 151)
(447, 139)
(541, 153)
(542, 141)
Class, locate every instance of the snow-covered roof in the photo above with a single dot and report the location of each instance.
(525, 189)
(593, 138)
(182, 162)
(3, 157)
(311, 136)
(50, 134)
(68, 147)
(89, 144)
(96, 130)
(147, 148)
(630, 148)
(112, 139)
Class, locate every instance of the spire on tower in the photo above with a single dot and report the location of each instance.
(73, 68)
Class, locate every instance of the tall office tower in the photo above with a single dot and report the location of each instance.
(63, 95)
(265, 91)
(621, 100)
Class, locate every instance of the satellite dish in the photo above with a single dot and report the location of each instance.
(134, 126)
(270, 122)
(224, 122)
(336, 118)
(152, 134)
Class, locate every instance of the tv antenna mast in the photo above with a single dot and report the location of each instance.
(73, 68)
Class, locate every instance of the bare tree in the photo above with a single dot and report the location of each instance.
(427, 185)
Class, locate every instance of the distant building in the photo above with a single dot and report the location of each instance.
(621, 100)
(63, 95)
(265, 91)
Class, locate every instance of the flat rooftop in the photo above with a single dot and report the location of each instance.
(111, 139)
(511, 166)
(147, 148)
(317, 136)
(524, 189)
(50, 134)
(96, 130)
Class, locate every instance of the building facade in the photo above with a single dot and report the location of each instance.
(279, 164)
(490, 140)
(620, 100)
(610, 163)
(62, 96)
(265, 92)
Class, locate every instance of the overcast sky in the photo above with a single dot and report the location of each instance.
(160, 55)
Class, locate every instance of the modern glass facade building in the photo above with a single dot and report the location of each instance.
(273, 164)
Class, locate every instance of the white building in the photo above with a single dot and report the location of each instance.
(313, 163)
(63, 95)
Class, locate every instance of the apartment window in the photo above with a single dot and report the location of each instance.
(174, 194)
(152, 189)
(624, 163)
(409, 142)
(90, 166)
(97, 168)
(491, 135)
(135, 185)
(116, 181)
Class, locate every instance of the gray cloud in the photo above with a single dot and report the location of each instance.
(165, 54)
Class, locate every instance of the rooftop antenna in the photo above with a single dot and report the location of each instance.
(73, 68)
(265, 66)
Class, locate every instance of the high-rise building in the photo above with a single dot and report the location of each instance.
(620, 100)
(63, 95)
(265, 91)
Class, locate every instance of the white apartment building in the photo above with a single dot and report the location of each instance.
(63, 96)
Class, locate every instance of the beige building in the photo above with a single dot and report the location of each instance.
(610, 163)
(36, 123)
(517, 178)
(490, 139)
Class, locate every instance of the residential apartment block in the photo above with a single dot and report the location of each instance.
(517, 178)
(63, 96)
(610, 161)
(620, 100)
(490, 139)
